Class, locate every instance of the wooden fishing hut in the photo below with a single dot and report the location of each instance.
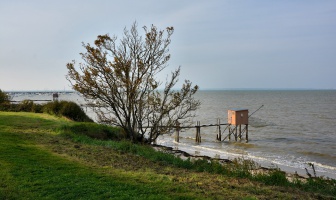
(238, 117)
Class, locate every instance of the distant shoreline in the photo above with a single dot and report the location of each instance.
(201, 90)
(41, 91)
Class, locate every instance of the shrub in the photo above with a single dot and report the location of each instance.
(5, 106)
(74, 112)
(26, 106)
(38, 108)
(67, 109)
(4, 101)
(59, 108)
(4, 97)
(52, 108)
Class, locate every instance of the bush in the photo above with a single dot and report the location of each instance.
(4, 97)
(52, 108)
(38, 108)
(5, 106)
(74, 112)
(26, 106)
(67, 109)
(4, 101)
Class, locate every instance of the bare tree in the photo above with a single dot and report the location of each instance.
(120, 78)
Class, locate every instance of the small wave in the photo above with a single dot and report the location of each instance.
(244, 145)
(324, 166)
(294, 162)
(309, 153)
(258, 158)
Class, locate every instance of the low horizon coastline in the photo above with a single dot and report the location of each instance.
(292, 129)
(205, 89)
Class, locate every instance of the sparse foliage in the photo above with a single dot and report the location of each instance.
(120, 78)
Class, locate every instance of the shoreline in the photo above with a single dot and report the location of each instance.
(327, 172)
(259, 170)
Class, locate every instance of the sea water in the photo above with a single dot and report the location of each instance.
(293, 129)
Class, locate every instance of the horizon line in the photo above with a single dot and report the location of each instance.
(205, 89)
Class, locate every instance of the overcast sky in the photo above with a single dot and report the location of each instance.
(218, 44)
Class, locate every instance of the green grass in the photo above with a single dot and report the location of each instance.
(93, 131)
(46, 157)
(31, 172)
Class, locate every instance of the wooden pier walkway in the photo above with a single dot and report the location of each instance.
(31, 100)
(236, 131)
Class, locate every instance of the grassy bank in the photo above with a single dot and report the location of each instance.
(45, 157)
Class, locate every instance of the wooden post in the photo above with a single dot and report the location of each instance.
(229, 133)
(240, 133)
(236, 133)
(196, 138)
(177, 132)
(198, 131)
(219, 134)
(246, 133)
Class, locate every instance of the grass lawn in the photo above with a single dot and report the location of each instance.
(39, 160)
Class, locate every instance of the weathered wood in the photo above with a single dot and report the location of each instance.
(198, 132)
(233, 130)
(177, 132)
(187, 127)
(236, 132)
(229, 134)
(240, 132)
(246, 137)
(196, 137)
(219, 134)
